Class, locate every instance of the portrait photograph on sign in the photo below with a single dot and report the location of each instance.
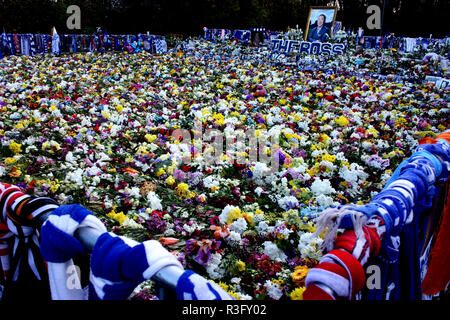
(320, 23)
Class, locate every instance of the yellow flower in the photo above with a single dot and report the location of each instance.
(249, 217)
(142, 150)
(182, 189)
(233, 294)
(342, 121)
(299, 275)
(240, 265)
(160, 172)
(297, 294)
(19, 126)
(234, 214)
(223, 285)
(190, 195)
(170, 180)
(9, 161)
(220, 119)
(150, 137)
(119, 217)
(328, 157)
(373, 132)
(119, 107)
(15, 147)
(106, 114)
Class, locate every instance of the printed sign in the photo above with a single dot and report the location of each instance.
(316, 48)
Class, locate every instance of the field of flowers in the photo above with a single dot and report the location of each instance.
(97, 130)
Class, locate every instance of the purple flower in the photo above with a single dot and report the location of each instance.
(156, 224)
(180, 175)
(194, 178)
(281, 157)
(293, 262)
(203, 256)
(178, 225)
(182, 258)
(144, 295)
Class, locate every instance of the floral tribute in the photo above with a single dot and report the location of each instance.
(96, 130)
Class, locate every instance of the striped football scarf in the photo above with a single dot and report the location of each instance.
(19, 245)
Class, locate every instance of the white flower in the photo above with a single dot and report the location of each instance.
(243, 296)
(155, 202)
(70, 157)
(93, 171)
(324, 201)
(132, 224)
(260, 170)
(239, 226)
(274, 253)
(258, 191)
(234, 237)
(190, 228)
(210, 181)
(76, 176)
(262, 227)
(134, 192)
(319, 187)
(288, 202)
(2, 171)
(309, 246)
(258, 218)
(273, 290)
(213, 269)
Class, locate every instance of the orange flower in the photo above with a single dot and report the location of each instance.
(15, 173)
(167, 241)
(130, 170)
(220, 232)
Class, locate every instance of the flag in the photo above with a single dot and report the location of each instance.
(4, 44)
(55, 42)
(160, 45)
(74, 43)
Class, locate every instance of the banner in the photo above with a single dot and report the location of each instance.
(288, 46)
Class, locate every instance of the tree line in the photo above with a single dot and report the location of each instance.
(403, 17)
